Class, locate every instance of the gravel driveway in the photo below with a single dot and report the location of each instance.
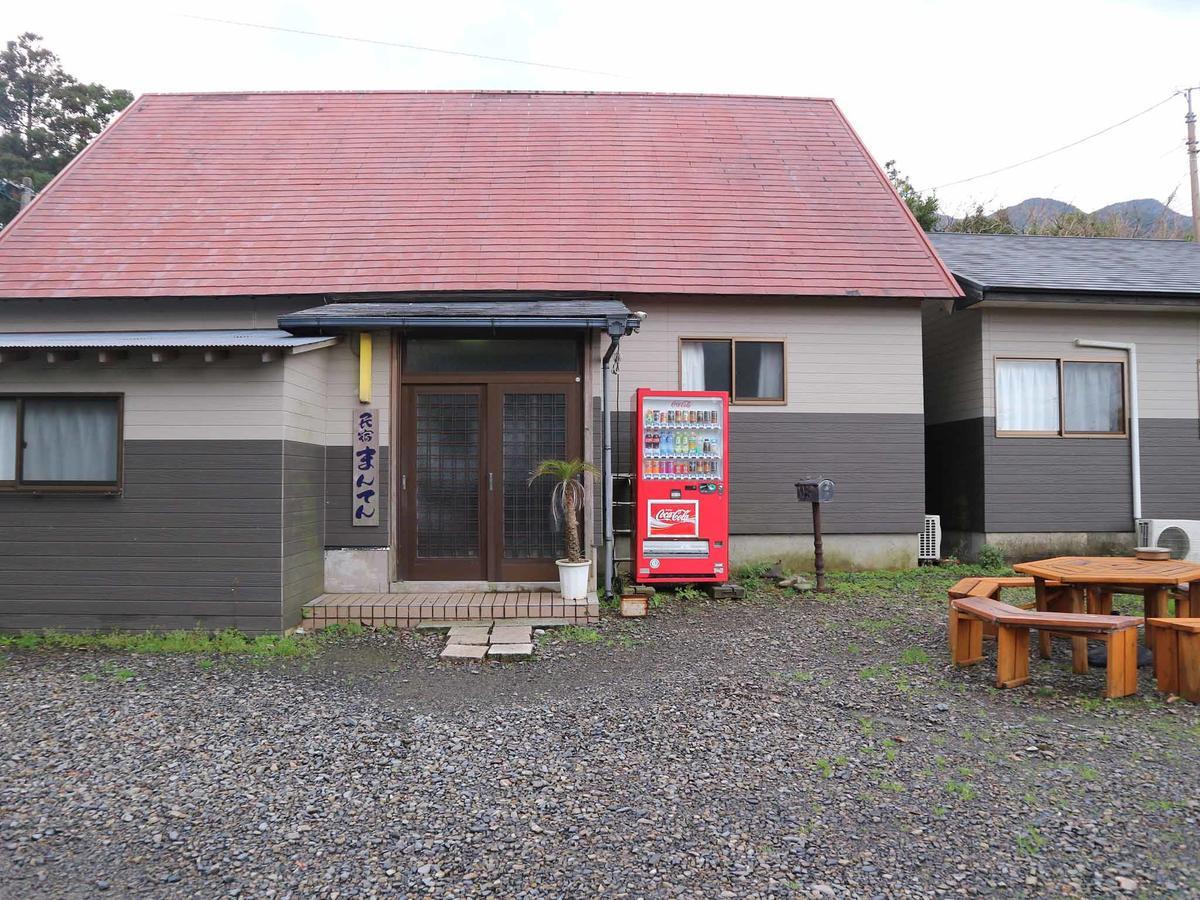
(770, 747)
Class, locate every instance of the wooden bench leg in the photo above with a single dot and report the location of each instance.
(1166, 660)
(1012, 656)
(1100, 602)
(1042, 604)
(1156, 608)
(1189, 666)
(1122, 663)
(1079, 660)
(1189, 606)
(968, 640)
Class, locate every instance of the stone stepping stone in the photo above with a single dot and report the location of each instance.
(464, 651)
(463, 634)
(510, 651)
(511, 634)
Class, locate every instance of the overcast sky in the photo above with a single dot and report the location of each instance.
(947, 89)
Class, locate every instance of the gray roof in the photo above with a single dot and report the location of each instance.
(253, 337)
(505, 313)
(1020, 262)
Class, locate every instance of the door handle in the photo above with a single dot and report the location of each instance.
(404, 482)
(489, 482)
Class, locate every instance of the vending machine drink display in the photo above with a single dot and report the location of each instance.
(681, 494)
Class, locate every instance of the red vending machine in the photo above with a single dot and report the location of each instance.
(681, 495)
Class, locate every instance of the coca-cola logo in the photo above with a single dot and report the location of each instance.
(674, 518)
(666, 516)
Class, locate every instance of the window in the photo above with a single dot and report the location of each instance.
(750, 371)
(1053, 397)
(55, 442)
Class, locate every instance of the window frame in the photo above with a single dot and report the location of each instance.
(18, 486)
(733, 342)
(1060, 362)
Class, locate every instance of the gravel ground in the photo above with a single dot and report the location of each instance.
(772, 747)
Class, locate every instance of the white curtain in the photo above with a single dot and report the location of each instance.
(70, 439)
(693, 366)
(1027, 395)
(770, 371)
(1093, 397)
(8, 440)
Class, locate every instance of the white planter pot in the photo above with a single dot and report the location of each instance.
(573, 579)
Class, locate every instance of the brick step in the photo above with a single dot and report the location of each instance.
(410, 610)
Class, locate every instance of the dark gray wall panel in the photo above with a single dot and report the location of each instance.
(877, 461)
(194, 540)
(339, 530)
(303, 527)
(954, 474)
(1170, 468)
(1056, 484)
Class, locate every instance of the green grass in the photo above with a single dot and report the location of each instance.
(961, 790)
(926, 582)
(577, 634)
(1031, 842)
(229, 641)
(914, 656)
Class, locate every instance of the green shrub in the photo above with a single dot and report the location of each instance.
(991, 557)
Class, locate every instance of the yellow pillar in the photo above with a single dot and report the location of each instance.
(364, 367)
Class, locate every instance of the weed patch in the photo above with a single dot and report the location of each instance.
(229, 641)
(577, 634)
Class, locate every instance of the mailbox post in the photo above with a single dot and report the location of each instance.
(816, 491)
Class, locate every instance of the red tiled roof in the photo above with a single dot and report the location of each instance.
(228, 194)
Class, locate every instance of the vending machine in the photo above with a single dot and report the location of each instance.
(681, 487)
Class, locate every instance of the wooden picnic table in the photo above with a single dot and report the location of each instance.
(1081, 584)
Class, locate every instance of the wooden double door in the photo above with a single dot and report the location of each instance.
(467, 508)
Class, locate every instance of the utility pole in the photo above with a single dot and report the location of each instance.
(1191, 149)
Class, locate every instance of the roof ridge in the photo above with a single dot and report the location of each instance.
(415, 92)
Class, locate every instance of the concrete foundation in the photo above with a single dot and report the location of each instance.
(356, 571)
(1020, 546)
(843, 552)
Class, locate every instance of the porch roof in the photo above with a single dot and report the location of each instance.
(608, 314)
(250, 337)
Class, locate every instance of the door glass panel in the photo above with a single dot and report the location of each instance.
(447, 475)
(427, 356)
(535, 428)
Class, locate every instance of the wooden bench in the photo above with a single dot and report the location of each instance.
(989, 587)
(1177, 656)
(969, 613)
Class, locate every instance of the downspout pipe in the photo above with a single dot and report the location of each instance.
(606, 473)
(1135, 450)
(617, 329)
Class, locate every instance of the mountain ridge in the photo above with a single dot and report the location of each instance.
(1144, 217)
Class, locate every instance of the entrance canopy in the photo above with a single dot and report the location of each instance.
(577, 313)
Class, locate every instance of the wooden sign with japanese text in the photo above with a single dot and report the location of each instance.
(365, 499)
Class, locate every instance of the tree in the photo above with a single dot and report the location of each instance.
(1080, 224)
(978, 222)
(924, 207)
(46, 115)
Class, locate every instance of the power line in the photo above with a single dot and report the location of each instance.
(362, 40)
(1082, 140)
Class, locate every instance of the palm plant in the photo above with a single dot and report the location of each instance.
(567, 497)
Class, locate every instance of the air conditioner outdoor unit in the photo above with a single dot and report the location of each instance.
(1180, 536)
(930, 548)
